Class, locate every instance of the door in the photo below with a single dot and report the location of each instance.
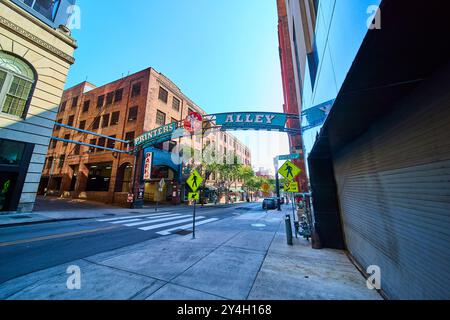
(8, 182)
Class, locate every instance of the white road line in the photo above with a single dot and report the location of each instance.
(132, 217)
(168, 231)
(153, 221)
(126, 221)
(168, 224)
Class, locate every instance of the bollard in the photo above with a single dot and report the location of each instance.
(287, 220)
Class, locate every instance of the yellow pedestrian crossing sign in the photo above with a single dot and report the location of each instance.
(194, 196)
(194, 181)
(291, 187)
(289, 170)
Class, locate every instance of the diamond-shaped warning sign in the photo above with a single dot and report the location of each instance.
(194, 181)
(289, 170)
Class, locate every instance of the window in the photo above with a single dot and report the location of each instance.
(76, 150)
(82, 125)
(99, 177)
(100, 101)
(53, 144)
(160, 118)
(115, 118)
(93, 142)
(62, 158)
(297, 61)
(105, 120)
(172, 145)
(57, 128)
(163, 94)
(129, 136)
(49, 162)
(66, 137)
(86, 105)
(132, 114)
(16, 84)
(101, 143)
(111, 143)
(70, 121)
(176, 104)
(118, 95)
(159, 146)
(109, 98)
(47, 8)
(74, 102)
(62, 108)
(136, 90)
(96, 123)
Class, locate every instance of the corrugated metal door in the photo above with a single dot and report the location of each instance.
(394, 193)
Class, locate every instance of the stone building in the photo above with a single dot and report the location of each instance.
(36, 51)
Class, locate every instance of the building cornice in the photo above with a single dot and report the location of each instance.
(36, 40)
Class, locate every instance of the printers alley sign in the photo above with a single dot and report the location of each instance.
(253, 120)
(156, 135)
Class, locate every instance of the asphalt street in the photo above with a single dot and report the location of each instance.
(30, 248)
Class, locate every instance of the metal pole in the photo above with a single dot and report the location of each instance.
(193, 221)
(277, 183)
(287, 221)
(49, 177)
(293, 213)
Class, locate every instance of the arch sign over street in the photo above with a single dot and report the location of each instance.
(268, 121)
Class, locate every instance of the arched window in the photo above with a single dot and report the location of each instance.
(16, 83)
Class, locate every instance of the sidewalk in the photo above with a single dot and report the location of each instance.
(243, 257)
(54, 209)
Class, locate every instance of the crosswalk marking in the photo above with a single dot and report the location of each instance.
(168, 224)
(125, 221)
(153, 221)
(167, 231)
(132, 217)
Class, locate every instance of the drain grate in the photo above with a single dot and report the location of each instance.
(183, 232)
(21, 217)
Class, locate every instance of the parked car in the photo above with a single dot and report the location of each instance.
(269, 204)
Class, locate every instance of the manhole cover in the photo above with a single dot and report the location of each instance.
(21, 217)
(258, 225)
(183, 232)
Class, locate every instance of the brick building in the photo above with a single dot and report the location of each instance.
(123, 109)
(292, 104)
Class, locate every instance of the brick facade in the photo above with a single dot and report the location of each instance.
(158, 102)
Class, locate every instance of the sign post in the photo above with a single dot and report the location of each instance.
(290, 171)
(194, 181)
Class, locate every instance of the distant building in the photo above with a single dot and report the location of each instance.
(36, 51)
(380, 164)
(123, 109)
(264, 173)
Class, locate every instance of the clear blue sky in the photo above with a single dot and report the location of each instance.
(223, 54)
